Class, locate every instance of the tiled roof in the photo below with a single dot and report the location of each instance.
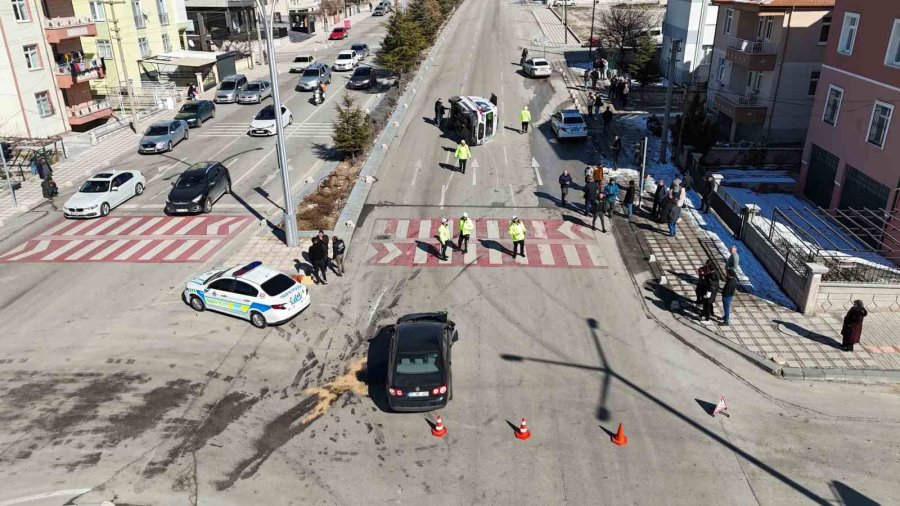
(778, 3)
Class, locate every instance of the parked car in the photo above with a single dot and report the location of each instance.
(198, 188)
(418, 373)
(346, 60)
(362, 50)
(313, 75)
(196, 112)
(301, 62)
(339, 33)
(255, 92)
(536, 67)
(103, 192)
(162, 136)
(568, 124)
(379, 11)
(363, 77)
(264, 122)
(229, 88)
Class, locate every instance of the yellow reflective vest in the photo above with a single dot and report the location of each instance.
(525, 115)
(462, 152)
(444, 233)
(517, 231)
(466, 226)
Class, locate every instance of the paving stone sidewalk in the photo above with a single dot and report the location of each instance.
(553, 28)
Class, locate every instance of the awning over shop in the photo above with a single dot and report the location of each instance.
(185, 58)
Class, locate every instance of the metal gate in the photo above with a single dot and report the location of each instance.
(820, 176)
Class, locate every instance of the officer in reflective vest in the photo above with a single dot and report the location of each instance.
(525, 117)
(517, 234)
(444, 237)
(466, 227)
(462, 154)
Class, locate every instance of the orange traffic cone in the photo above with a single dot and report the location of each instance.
(619, 438)
(523, 433)
(439, 430)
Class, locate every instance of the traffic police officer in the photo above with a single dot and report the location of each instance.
(517, 234)
(444, 237)
(466, 227)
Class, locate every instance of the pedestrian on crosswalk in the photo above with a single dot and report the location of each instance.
(525, 117)
(516, 232)
(564, 181)
(466, 227)
(462, 154)
(318, 257)
(444, 237)
(338, 248)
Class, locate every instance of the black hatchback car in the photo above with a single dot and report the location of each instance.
(198, 187)
(418, 375)
(196, 112)
(362, 77)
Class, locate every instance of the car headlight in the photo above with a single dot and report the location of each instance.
(160, 144)
(95, 206)
(196, 199)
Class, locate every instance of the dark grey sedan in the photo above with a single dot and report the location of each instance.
(162, 136)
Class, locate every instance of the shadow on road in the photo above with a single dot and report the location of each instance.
(374, 374)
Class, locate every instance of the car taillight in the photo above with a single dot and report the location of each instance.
(396, 392)
(277, 306)
(439, 390)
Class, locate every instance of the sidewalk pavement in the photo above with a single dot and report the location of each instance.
(553, 28)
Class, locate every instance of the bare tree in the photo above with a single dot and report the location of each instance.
(622, 25)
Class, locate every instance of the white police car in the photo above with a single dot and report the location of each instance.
(253, 292)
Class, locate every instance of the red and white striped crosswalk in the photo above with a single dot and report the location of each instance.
(147, 239)
(549, 243)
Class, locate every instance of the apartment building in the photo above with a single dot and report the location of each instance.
(766, 64)
(694, 23)
(852, 154)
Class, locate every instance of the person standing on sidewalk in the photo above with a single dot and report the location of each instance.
(587, 78)
(598, 209)
(628, 202)
(444, 237)
(709, 298)
(616, 148)
(525, 117)
(595, 76)
(43, 169)
(607, 119)
(318, 257)
(462, 154)
(709, 189)
(672, 213)
(591, 193)
(516, 232)
(337, 249)
(590, 105)
(564, 181)
(604, 67)
(625, 91)
(466, 227)
(728, 294)
(611, 191)
(734, 260)
(598, 105)
(659, 197)
(851, 331)
(524, 56)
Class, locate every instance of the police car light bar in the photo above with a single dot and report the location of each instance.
(247, 268)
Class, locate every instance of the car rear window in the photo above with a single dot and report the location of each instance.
(345, 56)
(303, 59)
(277, 285)
(541, 64)
(425, 363)
(311, 72)
(573, 120)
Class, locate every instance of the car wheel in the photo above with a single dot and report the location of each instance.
(207, 206)
(290, 119)
(104, 209)
(186, 135)
(169, 146)
(212, 114)
(257, 320)
(227, 186)
(200, 122)
(197, 304)
(138, 188)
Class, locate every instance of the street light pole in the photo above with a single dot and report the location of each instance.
(674, 48)
(566, 21)
(129, 87)
(12, 189)
(290, 220)
(591, 39)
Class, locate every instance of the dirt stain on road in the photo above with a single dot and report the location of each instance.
(149, 413)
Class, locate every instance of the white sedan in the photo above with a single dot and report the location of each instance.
(103, 192)
(536, 67)
(346, 60)
(264, 122)
(569, 124)
(253, 292)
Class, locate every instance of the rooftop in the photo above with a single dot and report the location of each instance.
(777, 3)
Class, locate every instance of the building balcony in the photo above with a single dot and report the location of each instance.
(89, 111)
(140, 22)
(164, 18)
(60, 29)
(69, 74)
(741, 108)
(753, 55)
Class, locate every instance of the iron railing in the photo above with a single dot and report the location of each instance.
(750, 46)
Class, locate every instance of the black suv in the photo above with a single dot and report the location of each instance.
(418, 375)
(198, 187)
(196, 112)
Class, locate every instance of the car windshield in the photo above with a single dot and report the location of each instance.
(362, 71)
(266, 113)
(573, 120)
(337, 30)
(357, 47)
(94, 186)
(417, 369)
(227, 85)
(345, 56)
(189, 108)
(190, 180)
(157, 130)
(277, 285)
(252, 87)
(311, 73)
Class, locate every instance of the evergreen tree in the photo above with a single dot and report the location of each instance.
(447, 6)
(428, 15)
(352, 128)
(403, 43)
(642, 68)
(697, 130)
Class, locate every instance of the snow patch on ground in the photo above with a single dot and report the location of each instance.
(755, 176)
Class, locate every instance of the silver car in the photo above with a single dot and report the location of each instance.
(255, 92)
(162, 136)
(313, 75)
(229, 88)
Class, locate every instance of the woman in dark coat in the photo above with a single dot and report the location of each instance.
(853, 321)
(709, 298)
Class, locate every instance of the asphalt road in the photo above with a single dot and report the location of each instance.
(112, 384)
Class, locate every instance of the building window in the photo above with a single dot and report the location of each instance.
(32, 59)
(42, 100)
(833, 105)
(729, 20)
(892, 57)
(764, 28)
(813, 83)
(163, 12)
(823, 32)
(144, 46)
(753, 81)
(20, 10)
(167, 44)
(97, 11)
(881, 121)
(138, 11)
(848, 33)
(104, 48)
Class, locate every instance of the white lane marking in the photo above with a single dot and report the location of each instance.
(470, 255)
(444, 189)
(540, 232)
(566, 230)
(72, 493)
(424, 234)
(537, 171)
(493, 229)
(109, 249)
(522, 260)
(39, 247)
(597, 257)
(169, 225)
(402, 229)
(546, 254)
(204, 249)
(133, 249)
(157, 249)
(118, 230)
(393, 252)
(186, 245)
(371, 251)
(87, 249)
(146, 226)
(251, 169)
(164, 190)
(512, 196)
(56, 228)
(474, 171)
(62, 250)
(424, 229)
(571, 254)
(14, 250)
(81, 226)
(103, 226)
(505, 157)
(193, 222)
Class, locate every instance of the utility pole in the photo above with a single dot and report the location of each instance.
(129, 87)
(566, 21)
(12, 189)
(674, 49)
(643, 170)
(591, 38)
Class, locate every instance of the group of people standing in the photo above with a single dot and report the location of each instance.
(466, 227)
(318, 257)
(668, 202)
(599, 203)
(41, 168)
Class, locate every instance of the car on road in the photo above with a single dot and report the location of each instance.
(313, 75)
(198, 188)
(264, 122)
(255, 92)
(363, 77)
(362, 50)
(418, 368)
(536, 67)
(254, 292)
(102, 192)
(568, 124)
(196, 112)
(301, 62)
(339, 33)
(229, 88)
(379, 11)
(162, 136)
(346, 60)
